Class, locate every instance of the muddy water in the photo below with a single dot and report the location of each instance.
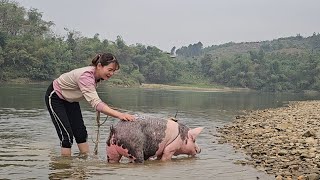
(29, 147)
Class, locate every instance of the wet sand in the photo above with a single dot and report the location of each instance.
(282, 141)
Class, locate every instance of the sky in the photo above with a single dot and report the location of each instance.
(169, 23)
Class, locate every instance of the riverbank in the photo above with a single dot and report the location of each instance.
(182, 87)
(191, 88)
(282, 141)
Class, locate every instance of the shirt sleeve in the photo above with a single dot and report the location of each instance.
(100, 106)
(87, 86)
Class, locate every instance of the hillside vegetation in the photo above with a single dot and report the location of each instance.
(30, 50)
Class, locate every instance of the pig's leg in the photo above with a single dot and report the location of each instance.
(169, 151)
(167, 156)
(139, 156)
(159, 157)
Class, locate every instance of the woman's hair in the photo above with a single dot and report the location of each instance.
(105, 59)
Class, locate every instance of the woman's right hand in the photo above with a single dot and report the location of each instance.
(126, 117)
(114, 113)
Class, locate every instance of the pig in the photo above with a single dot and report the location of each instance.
(150, 137)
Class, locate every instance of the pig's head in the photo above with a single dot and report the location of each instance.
(190, 147)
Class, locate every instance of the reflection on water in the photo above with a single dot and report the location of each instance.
(29, 147)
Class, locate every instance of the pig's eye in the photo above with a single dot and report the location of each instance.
(194, 141)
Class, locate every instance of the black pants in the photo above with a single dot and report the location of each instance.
(67, 119)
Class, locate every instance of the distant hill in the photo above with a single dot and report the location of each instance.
(293, 44)
(288, 45)
(284, 64)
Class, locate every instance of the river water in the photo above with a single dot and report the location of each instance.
(29, 146)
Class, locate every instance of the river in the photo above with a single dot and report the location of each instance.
(29, 147)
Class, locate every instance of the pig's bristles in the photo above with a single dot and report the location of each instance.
(96, 142)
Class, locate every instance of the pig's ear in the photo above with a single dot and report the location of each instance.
(195, 132)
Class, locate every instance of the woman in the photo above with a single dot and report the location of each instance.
(63, 96)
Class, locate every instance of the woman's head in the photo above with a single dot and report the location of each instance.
(105, 59)
(106, 64)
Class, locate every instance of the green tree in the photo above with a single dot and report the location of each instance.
(11, 17)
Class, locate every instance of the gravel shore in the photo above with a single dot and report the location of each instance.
(282, 141)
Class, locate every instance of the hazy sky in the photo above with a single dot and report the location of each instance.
(168, 23)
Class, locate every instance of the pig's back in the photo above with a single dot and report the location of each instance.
(145, 132)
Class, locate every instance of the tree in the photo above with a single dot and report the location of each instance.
(11, 18)
(35, 25)
(206, 64)
(173, 51)
(3, 39)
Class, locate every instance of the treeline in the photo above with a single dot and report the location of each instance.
(30, 50)
(285, 64)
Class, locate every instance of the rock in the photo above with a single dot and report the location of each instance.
(313, 176)
(302, 177)
(309, 133)
(310, 140)
(283, 152)
(279, 178)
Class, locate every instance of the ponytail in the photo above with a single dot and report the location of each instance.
(95, 61)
